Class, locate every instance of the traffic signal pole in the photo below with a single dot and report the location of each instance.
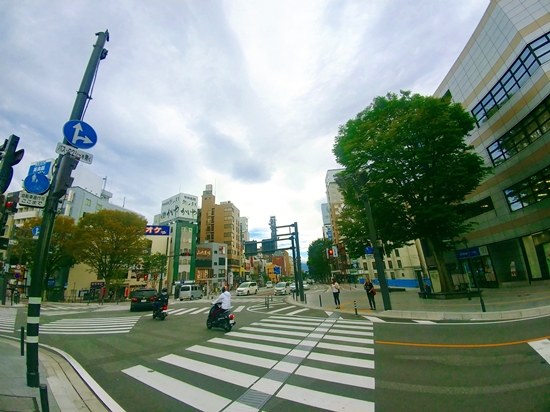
(62, 180)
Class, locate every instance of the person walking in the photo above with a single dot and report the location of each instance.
(335, 292)
(369, 288)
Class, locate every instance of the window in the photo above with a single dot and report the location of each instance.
(399, 264)
(396, 252)
(523, 134)
(227, 234)
(535, 53)
(529, 191)
(88, 202)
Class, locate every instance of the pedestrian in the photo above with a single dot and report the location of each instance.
(335, 292)
(427, 288)
(369, 288)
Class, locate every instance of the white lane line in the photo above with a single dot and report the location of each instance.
(348, 339)
(297, 311)
(542, 347)
(351, 332)
(227, 375)
(198, 311)
(267, 324)
(274, 332)
(73, 332)
(261, 337)
(374, 319)
(336, 377)
(181, 391)
(424, 322)
(346, 348)
(323, 400)
(97, 321)
(177, 312)
(294, 321)
(302, 318)
(341, 360)
(253, 346)
(240, 308)
(280, 310)
(341, 321)
(237, 357)
(328, 312)
(352, 327)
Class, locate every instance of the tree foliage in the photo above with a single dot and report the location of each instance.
(409, 156)
(317, 262)
(153, 264)
(60, 252)
(109, 242)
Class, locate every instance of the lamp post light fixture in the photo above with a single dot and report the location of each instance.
(352, 179)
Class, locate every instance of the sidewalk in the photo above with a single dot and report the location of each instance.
(502, 303)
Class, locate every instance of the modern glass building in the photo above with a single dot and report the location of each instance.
(503, 78)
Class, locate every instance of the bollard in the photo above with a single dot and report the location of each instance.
(320, 302)
(468, 293)
(44, 398)
(305, 298)
(22, 341)
(355, 306)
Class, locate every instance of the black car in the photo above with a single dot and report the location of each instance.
(142, 299)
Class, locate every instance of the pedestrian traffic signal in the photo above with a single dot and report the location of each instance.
(330, 253)
(9, 156)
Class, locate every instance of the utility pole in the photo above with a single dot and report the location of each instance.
(62, 180)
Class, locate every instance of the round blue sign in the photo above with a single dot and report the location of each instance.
(79, 134)
(36, 231)
(36, 183)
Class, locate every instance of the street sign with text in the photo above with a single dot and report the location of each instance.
(80, 155)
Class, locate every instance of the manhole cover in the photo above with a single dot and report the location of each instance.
(10, 403)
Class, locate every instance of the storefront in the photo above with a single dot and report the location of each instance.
(477, 265)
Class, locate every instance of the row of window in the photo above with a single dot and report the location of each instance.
(535, 53)
(528, 130)
(531, 190)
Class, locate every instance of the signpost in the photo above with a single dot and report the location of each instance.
(79, 134)
(80, 155)
(36, 183)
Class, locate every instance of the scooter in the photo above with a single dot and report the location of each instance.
(160, 312)
(224, 319)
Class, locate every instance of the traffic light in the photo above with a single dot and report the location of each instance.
(330, 253)
(63, 180)
(10, 156)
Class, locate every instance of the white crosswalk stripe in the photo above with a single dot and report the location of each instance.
(287, 349)
(89, 326)
(7, 320)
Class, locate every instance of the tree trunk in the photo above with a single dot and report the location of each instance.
(444, 279)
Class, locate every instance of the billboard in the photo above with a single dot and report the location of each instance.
(180, 206)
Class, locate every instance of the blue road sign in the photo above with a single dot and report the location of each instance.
(79, 134)
(44, 167)
(277, 270)
(369, 250)
(36, 230)
(37, 183)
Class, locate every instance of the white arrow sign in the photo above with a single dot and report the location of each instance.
(76, 136)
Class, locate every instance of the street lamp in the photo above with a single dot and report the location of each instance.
(352, 179)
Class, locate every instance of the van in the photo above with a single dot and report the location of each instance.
(190, 292)
(247, 288)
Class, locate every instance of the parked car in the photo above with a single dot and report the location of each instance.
(282, 288)
(306, 286)
(269, 284)
(247, 288)
(142, 299)
(310, 281)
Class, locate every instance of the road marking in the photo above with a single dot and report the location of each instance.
(237, 357)
(341, 360)
(347, 339)
(227, 375)
(323, 400)
(180, 311)
(461, 345)
(240, 308)
(336, 377)
(253, 346)
(280, 310)
(374, 319)
(425, 322)
(181, 391)
(351, 332)
(275, 332)
(346, 348)
(296, 321)
(543, 348)
(273, 325)
(297, 311)
(261, 337)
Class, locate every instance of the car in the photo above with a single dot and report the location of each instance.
(247, 288)
(142, 299)
(190, 292)
(293, 287)
(282, 288)
(310, 281)
(306, 286)
(269, 284)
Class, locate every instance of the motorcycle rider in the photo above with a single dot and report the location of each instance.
(162, 299)
(225, 300)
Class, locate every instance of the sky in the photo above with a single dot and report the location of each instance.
(246, 95)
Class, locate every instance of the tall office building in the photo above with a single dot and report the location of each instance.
(503, 78)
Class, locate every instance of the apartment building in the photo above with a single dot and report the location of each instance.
(503, 78)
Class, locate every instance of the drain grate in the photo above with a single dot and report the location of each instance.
(9, 403)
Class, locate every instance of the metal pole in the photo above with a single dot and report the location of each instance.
(298, 262)
(64, 163)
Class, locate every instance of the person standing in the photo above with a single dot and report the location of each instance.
(369, 288)
(335, 292)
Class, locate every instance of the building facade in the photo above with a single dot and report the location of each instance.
(502, 77)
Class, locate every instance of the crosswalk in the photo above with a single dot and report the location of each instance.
(7, 320)
(92, 326)
(278, 363)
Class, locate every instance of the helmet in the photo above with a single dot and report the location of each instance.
(223, 289)
(164, 290)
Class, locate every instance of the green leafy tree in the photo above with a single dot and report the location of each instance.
(154, 264)
(317, 262)
(409, 156)
(60, 254)
(110, 242)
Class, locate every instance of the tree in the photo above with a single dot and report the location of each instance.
(317, 262)
(109, 242)
(408, 155)
(60, 253)
(154, 264)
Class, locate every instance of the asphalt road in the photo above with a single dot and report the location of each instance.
(302, 359)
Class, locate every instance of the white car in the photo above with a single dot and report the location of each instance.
(293, 287)
(282, 288)
(306, 286)
(269, 284)
(247, 288)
